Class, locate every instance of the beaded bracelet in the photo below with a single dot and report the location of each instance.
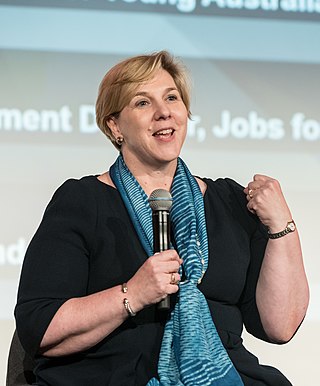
(126, 303)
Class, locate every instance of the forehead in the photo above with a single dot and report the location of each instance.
(161, 80)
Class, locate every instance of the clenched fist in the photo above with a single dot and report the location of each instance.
(266, 200)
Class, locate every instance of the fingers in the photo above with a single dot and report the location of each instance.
(170, 265)
(167, 265)
(167, 261)
(175, 278)
(170, 277)
(173, 285)
(266, 200)
(250, 189)
(261, 178)
(256, 194)
(261, 184)
(258, 182)
(156, 278)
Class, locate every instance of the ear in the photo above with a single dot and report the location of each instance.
(114, 127)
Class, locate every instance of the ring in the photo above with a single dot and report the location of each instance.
(173, 279)
(250, 193)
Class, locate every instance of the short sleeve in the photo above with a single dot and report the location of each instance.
(248, 305)
(258, 238)
(56, 263)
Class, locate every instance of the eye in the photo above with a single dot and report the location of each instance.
(141, 103)
(172, 97)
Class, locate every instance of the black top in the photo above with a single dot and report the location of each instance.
(86, 243)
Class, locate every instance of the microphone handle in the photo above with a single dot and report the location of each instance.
(164, 304)
(161, 242)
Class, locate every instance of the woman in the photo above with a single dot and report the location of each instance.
(90, 284)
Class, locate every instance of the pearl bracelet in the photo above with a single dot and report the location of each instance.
(126, 303)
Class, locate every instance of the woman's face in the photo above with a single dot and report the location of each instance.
(153, 124)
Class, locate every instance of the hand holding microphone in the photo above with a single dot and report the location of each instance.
(160, 202)
(158, 275)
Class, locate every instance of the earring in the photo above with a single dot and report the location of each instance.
(119, 141)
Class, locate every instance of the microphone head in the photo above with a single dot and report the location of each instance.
(160, 199)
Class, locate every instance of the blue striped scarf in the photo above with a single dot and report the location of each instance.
(191, 353)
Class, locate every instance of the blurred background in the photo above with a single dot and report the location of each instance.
(255, 69)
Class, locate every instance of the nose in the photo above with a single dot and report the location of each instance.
(162, 110)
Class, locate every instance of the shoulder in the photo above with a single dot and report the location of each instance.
(225, 188)
(75, 197)
(221, 185)
(225, 195)
(72, 185)
(84, 188)
(71, 190)
(86, 197)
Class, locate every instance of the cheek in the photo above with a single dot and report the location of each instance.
(127, 126)
(137, 121)
(183, 120)
(182, 115)
(134, 129)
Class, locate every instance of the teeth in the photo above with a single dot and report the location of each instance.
(164, 132)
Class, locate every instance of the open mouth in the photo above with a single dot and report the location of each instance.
(164, 133)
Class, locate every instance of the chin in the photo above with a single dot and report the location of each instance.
(167, 159)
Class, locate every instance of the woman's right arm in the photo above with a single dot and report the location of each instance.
(80, 323)
(55, 315)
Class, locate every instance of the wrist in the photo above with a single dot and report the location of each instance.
(131, 294)
(289, 228)
(126, 303)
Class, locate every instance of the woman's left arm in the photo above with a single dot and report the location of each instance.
(282, 292)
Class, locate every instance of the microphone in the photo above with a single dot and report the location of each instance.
(160, 201)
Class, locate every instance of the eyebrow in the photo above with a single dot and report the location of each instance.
(145, 93)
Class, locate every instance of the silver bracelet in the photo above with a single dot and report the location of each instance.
(126, 303)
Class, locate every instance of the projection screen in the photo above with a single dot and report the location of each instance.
(255, 66)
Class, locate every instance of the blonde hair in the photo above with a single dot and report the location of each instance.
(120, 84)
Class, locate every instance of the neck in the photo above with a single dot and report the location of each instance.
(151, 177)
(154, 180)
